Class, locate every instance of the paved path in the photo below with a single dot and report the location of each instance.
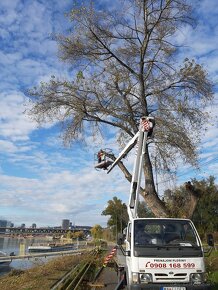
(109, 279)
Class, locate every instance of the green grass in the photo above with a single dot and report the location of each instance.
(214, 280)
(212, 269)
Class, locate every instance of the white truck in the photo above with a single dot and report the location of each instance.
(160, 253)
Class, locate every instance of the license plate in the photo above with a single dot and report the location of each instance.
(173, 288)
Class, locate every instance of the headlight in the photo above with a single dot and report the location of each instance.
(197, 278)
(145, 278)
(135, 278)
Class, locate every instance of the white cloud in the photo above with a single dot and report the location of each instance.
(14, 125)
(9, 58)
(62, 194)
(7, 146)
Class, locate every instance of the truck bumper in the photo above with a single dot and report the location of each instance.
(160, 286)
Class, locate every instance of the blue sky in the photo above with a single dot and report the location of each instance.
(41, 181)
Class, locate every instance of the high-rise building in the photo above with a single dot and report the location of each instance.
(33, 226)
(3, 224)
(65, 224)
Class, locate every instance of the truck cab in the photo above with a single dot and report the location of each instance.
(164, 254)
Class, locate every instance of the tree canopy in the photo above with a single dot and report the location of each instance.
(97, 232)
(125, 65)
(117, 211)
(118, 215)
(144, 211)
(205, 215)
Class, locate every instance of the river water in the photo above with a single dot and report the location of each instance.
(20, 246)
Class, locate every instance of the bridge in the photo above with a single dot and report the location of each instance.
(44, 230)
(44, 254)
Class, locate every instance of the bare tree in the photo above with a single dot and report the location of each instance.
(127, 67)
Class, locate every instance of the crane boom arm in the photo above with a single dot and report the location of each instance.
(125, 151)
(146, 125)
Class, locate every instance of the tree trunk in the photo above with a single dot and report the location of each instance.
(153, 201)
(155, 204)
(194, 198)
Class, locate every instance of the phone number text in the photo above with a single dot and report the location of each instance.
(151, 265)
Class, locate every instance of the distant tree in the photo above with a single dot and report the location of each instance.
(125, 66)
(97, 232)
(118, 215)
(108, 234)
(205, 214)
(78, 235)
(69, 235)
(182, 201)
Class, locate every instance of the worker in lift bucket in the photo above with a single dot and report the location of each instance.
(101, 156)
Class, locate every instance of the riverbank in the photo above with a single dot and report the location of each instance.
(30, 237)
(41, 276)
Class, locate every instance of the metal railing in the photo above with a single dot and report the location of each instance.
(74, 278)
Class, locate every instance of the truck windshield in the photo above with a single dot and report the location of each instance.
(168, 233)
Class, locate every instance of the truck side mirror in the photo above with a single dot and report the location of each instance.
(120, 239)
(210, 240)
